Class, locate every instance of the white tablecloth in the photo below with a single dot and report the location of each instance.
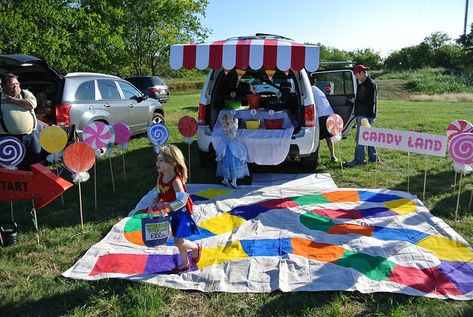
(264, 146)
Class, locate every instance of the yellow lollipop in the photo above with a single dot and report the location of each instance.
(53, 139)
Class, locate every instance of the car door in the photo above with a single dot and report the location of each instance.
(139, 112)
(111, 102)
(339, 86)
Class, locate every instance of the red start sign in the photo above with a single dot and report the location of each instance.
(40, 184)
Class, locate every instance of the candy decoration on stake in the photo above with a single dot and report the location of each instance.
(461, 152)
(158, 134)
(79, 158)
(97, 134)
(12, 152)
(53, 140)
(122, 136)
(334, 126)
(109, 152)
(188, 128)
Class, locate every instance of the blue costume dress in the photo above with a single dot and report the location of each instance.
(231, 155)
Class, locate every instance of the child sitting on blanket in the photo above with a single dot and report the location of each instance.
(231, 155)
(174, 201)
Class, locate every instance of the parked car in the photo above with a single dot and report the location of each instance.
(80, 98)
(152, 86)
(288, 93)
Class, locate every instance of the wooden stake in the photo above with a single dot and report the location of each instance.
(124, 167)
(111, 173)
(189, 155)
(458, 198)
(80, 208)
(35, 222)
(340, 155)
(408, 168)
(95, 184)
(471, 198)
(425, 181)
(11, 211)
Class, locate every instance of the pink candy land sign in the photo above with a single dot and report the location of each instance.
(421, 143)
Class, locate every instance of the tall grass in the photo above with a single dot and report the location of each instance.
(433, 80)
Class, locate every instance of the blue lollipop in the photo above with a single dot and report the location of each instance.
(158, 134)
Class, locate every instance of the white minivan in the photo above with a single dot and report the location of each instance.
(262, 81)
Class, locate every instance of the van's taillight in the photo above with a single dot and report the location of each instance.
(309, 116)
(201, 115)
(62, 114)
(153, 89)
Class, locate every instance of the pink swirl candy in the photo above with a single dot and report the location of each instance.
(334, 124)
(97, 134)
(461, 148)
(458, 126)
(122, 133)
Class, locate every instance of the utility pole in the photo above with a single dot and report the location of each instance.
(466, 18)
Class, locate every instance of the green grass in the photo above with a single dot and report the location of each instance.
(30, 274)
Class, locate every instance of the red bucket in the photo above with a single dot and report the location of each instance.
(273, 123)
(253, 101)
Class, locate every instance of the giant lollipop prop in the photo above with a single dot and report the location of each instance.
(79, 158)
(461, 152)
(12, 152)
(122, 136)
(53, 140)
(158, 134)
(188, 128)
(334, 125)
(97, 135)
(455, 128)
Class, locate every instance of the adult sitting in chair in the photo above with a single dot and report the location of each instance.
(17, 118)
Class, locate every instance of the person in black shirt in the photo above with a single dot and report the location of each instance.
(365, 107)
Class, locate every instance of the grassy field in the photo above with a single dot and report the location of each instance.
(30, 274)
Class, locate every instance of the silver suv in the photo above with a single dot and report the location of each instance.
(80, 98)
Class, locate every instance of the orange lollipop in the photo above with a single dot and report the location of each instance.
(79, 157)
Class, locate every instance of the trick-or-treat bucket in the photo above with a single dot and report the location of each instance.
(253, 101)
(9, 232)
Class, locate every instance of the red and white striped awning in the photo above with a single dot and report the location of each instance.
(242, 54)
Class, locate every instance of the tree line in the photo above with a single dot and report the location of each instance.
(133, 37)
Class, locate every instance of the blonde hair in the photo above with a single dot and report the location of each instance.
(172, 155)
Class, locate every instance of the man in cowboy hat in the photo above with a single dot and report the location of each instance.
(365, 107)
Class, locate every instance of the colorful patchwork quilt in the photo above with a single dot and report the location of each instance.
(297, 238)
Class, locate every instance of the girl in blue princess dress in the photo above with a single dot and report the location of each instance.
(231, 155)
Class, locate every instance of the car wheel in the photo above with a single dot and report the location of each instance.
(158, 118)
(310, 162)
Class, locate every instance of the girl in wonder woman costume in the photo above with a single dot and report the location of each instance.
(174, 201)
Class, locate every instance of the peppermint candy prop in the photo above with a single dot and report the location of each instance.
(53, 140)
(158, 134)
(79, 158)
(98, 135)
(122, 136)
(335, 127)
(188, 128)
(457, 127)
(12, 152)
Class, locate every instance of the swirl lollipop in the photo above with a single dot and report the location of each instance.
(458, 126)
(12, 152)
(461, 152)
(187, 127)
(98, 135)
(53, 140)
(158, 134)
(334, 125)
